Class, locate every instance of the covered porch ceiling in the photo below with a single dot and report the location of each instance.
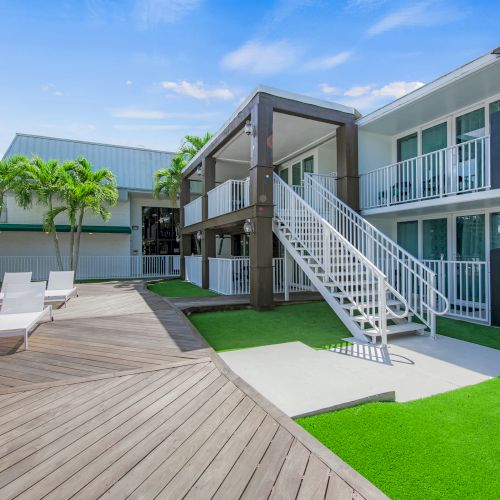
(463, 87)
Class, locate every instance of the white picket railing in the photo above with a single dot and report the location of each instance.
(229, 196)
(193, 212)
(96, 267)
(343, 266)
(467, 286)
(193, 269)
(406, 274)
(231, 276)
(462, 168)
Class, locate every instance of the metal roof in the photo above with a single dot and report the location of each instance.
(133, 167)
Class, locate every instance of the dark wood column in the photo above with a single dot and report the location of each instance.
(347, 165)
(185, 242)
(208, 240)
(261, 196)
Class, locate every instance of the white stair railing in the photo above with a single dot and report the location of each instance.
(409, 276)
(339, 267)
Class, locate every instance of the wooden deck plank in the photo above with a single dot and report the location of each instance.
(288, 483)
(315, 480)
(213, 476)
(338, 489)
(262, 481)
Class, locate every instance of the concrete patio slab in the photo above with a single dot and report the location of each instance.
(301, 380)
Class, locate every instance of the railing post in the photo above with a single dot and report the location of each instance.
(382, 310)
(287, 267)
(432, 302)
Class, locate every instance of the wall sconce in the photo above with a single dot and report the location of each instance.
(200, 171)
(199, 235)
(249, 128)
(248, 227)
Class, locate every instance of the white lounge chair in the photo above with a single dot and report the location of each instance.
(61, 287)
(14, 278)
(22, 309)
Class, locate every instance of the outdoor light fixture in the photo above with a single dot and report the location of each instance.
(249, 128)
(200, 171)
(248, 227)
(199, 235)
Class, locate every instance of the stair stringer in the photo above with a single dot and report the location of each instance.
(344, 316)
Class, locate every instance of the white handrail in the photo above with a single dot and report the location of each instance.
(407, 275)
(460, 168)
(359, 280)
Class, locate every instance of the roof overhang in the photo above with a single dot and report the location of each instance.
(458, 89)
(283, 102)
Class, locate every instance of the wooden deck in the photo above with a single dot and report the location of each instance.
(121, 398)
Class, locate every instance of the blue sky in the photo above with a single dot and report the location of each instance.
(147, 72)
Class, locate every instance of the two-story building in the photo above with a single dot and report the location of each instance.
(400, 206)
(141, 231)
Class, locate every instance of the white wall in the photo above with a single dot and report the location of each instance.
(38, 243)
(386, 224)
(374, 151)
(14, 214)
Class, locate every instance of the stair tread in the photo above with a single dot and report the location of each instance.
(409, 326)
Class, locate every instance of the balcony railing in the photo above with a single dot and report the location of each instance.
(192, 212)
(193, 269)
(231, 276)
(95, 266)
(229, 196)
(466, 284)
(462, 168)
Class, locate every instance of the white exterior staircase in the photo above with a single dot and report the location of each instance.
(371, 305)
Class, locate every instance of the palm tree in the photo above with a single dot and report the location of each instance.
(167, 181)
(11, 170)
(85, 190)
(42, 181)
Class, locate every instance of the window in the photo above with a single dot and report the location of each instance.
(284, 174)
(470, 126)
(407, 147)
(435, 239)
(494, 107)
(434, 138)
(296, 174)
(159, 231)
(408, 236)
(495, 231)
(308, 165)
(195, 187)
(470, 237)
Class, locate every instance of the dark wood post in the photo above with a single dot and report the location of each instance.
(347, 165)
(185, 243)
(261, 196)
(208, 239)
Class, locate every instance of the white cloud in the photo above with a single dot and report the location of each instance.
(367, 98)
(52, 89)
(129, 82)
(397, 89)
(261, 58)
(153, 12)
(328, 89)
(198, 90)
(151, 114)
(426, 13)
(330, 61)
(358, 91)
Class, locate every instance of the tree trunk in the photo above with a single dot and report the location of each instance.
(72, 248)
(55, 239)
(77, 241)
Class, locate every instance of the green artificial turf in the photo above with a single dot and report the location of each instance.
(179, 288)
(488, 336)
(444, 446)
(314, 324)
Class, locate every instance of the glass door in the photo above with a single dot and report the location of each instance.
(403, 181)
(408, 236)
(284, 174)
(470, 247)
(470, 165)
(433, 165)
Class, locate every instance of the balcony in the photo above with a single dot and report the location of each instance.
(459, 169)
(228, 197)
(193, 212)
